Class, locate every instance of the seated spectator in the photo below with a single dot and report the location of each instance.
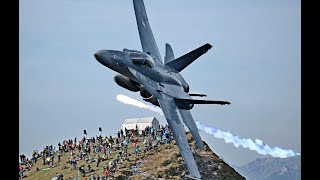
(82, 171)
(106, 173)
(93, 177)
(89, 168)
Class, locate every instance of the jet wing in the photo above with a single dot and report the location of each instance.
(148, 42)
(196, 101)
(170, 111)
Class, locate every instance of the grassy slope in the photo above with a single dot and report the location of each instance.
(164, 162)
(69, 172)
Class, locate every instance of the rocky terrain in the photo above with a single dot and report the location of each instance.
(165, 162)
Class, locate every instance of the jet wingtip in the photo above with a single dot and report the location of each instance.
(193, 177)
(226, 103)
(208, 45)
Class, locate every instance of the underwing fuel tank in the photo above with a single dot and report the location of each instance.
(126, 83)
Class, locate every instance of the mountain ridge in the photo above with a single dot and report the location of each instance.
(271, 168)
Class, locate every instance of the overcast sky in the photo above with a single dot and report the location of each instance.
(254, 64)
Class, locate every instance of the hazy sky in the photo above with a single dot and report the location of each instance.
(254, 63)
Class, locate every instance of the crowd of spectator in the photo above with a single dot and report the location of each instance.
(93, 151)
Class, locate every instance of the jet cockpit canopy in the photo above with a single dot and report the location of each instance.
(141, 59)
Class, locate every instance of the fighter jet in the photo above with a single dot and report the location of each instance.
(159, 82)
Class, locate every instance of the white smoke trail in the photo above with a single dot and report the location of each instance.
(256, 145)
(127, 100)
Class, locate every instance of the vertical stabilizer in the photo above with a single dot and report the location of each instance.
(182, 62)
(169, 54)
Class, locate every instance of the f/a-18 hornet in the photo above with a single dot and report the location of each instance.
(159, 82)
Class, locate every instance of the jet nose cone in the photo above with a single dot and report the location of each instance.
(104, 57)
(98, 56)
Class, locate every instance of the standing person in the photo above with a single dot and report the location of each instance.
(22, 156)
(125, 143)
(52, 158)
(75, 164)
(158, 140)
(35, 159)
(87, 159)
(151, 132)
(98, 160)
(136, 131)
(71, 152)
(137, 150)
(146, 130)
(118, 133)
(44, 157)
(20, 171)
(59, 158)
(121, 133)
(59, 148)
(109, 149)
(129, 139)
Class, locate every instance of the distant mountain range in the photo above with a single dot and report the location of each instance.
(272, 169)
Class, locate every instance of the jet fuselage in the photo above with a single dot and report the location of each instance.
(156, 76)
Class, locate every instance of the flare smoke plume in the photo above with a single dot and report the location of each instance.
(256, 145)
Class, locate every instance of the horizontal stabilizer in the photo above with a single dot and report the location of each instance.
(201, 95)
(195, 101)
(182, 62)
